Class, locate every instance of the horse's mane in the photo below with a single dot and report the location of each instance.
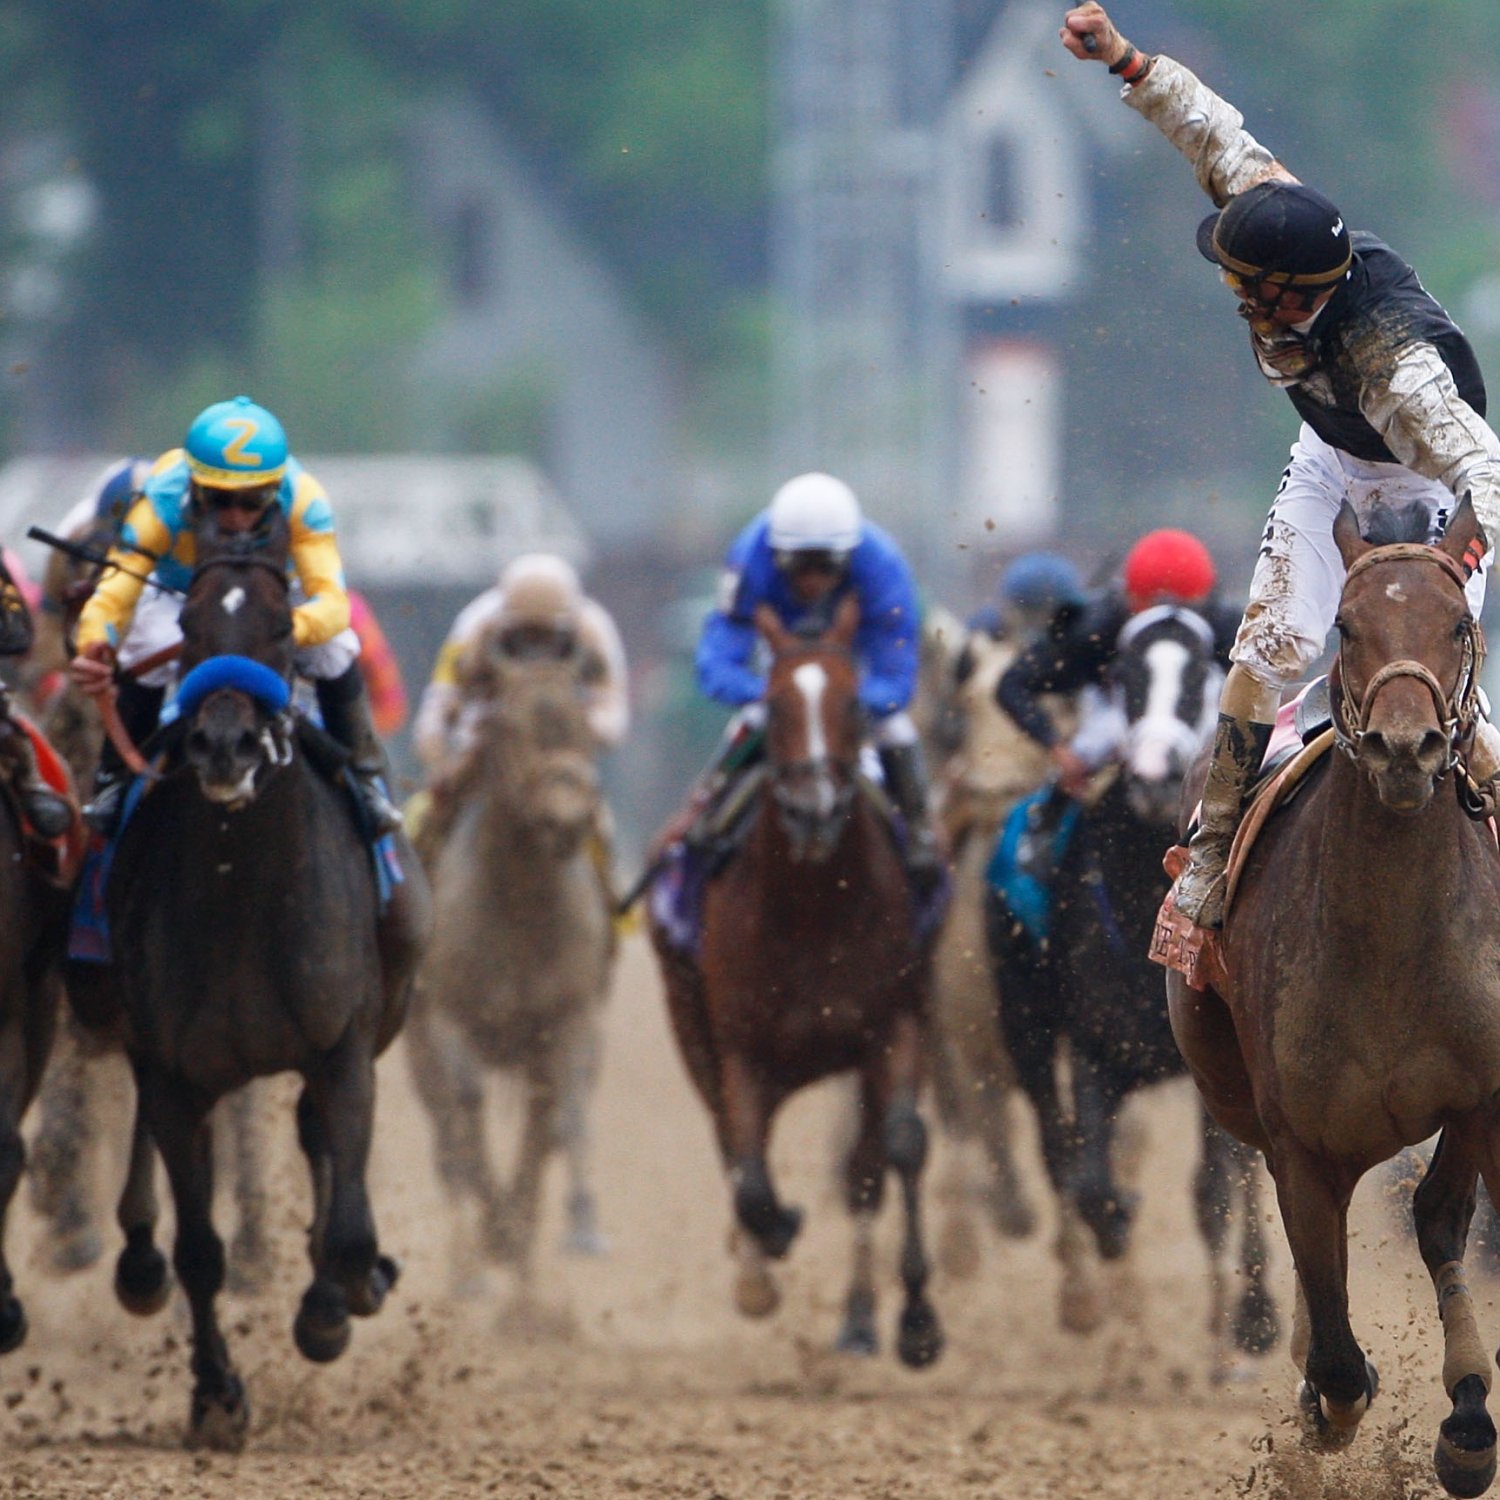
(1387, 524)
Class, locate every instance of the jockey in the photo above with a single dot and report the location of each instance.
(234, 463)
(1075, 652)
(537, 611)
(94, 519)
(49, 814)
(801, 557)
(1388, 389)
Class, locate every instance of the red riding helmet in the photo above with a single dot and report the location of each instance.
(1170, 566)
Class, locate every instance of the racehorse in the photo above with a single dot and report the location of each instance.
(520, 958)
(809, 965)
(1357, 1007)
(247, 940)
(1086, 990)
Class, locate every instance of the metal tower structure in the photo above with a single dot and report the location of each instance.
(860, 389)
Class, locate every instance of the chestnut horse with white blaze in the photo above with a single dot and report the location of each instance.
(1356, 1009)
(810, 965)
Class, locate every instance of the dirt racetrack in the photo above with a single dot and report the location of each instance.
(633, 1377)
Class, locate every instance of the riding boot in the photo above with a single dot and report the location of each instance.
(906, 781)
(1239, 748)
(49, 814)
(705, 824)
(139, 708)
(345, 708)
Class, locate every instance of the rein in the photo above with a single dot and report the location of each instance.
(1456, 713)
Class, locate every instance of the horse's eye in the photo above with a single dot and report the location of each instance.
(1341, 627)
(1461, 629)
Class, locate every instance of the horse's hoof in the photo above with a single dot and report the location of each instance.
(321, 1327)
(1080, 1309)
(1329, 1426)
(13, 1324)
(1464, 1456)
(75, 1252)
(143, 1280)
(756, 1294)
(858, 1337)
(1461, 1472)
(776, 1233)
(221, 1421)
(368, 1296)
(1257, 1330)
(919, 1337)
(1012, 1215)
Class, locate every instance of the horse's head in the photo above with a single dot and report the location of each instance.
(1406, 684)
(236, 659)
(814, 728)
(542, 749)
(1165, 684)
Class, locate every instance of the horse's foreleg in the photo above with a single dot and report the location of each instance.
(179, 1124)
(336, 1118)
(61, 1151)
(1339, 1382)
(919, 1338)
(1106, 1206)
(14, 1094)
(747, 1109)
(864, 1185)
(449, 1084)
(517, 1231)
(1256, 1325)
(580, 1077)
(1443, 1206)
(142, 1277)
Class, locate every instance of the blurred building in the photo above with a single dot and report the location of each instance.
(537, 344)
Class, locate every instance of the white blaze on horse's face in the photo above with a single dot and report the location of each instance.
(232, 601)
(811, 680)
(1160, 738)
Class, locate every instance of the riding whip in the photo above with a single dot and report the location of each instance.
(100, 559)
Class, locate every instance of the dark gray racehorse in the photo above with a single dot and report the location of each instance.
(247, 941)
(1090, 995)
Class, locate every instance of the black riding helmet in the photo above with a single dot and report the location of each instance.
(1282, 232)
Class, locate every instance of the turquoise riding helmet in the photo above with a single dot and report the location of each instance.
(235, 444)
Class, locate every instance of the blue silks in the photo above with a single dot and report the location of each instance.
(1027, 853)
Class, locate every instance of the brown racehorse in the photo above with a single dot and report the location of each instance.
(809, 967)
(1359, 1009)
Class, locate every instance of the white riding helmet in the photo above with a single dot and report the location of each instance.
(540, 588)
(815, 513)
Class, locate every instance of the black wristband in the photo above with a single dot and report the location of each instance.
(1124, 60)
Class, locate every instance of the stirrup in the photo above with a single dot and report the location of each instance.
(383, 816)
(102, 811)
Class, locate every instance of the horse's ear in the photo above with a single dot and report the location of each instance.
(1346, 535)
(769, 624)
(845, 622)
(1464, 540)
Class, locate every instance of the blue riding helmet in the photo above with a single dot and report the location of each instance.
(120, 485)
(233, 445)
(1041, 580)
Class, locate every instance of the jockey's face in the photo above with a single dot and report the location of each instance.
(236, 510)
(812, 576)
(537, 642)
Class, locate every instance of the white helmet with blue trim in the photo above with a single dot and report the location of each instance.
(815, 513)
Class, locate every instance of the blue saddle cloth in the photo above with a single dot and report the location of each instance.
(1027, 853)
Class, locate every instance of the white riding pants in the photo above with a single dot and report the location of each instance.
(1299, 576)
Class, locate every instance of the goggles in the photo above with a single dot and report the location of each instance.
(538, 642)
(252, 501)
(813, 560)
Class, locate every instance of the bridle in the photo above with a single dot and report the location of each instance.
(1457, 711)
(811, 826)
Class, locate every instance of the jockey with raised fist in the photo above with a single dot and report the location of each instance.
(235, 466)
(1388, 390)
(802, 556)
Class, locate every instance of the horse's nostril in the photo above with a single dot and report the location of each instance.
(197, 743)
(246, 744)
(1432, 753)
